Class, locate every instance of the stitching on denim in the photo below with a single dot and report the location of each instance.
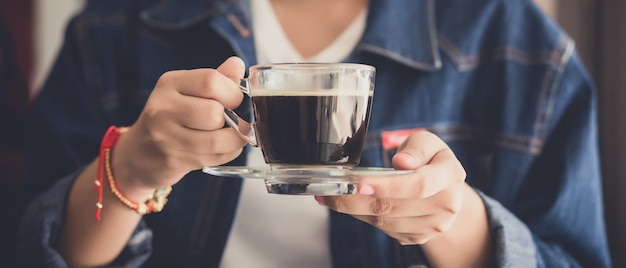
(498, 138)
(465, 63)
(432, 33)
(397, 57)
(501, 142)
(484, 131)
(176, 26)
(121, 19)
(531, 145)
(548, 90)
(107, 102)
(555, 60)
(147, 18)
(156, 8)
(153, 36)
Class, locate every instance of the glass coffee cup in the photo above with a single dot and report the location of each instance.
(310, 122)
(308, 115)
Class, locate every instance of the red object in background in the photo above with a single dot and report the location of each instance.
(15, 72)
(394, 138)
(17, 18)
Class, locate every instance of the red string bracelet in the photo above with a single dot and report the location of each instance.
(155, 203)
(108, 141)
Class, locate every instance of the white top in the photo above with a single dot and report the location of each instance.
(282, 230)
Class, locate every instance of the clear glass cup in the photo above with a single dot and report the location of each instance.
(310, 120)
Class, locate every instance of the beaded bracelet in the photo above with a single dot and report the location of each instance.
(155, 203)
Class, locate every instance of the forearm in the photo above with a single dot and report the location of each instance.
(86, 241)
(467, 243)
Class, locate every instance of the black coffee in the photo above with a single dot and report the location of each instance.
(312, 130)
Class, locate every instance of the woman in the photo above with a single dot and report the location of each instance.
(497, 86)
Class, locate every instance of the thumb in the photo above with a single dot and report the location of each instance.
(417, 150)
(233, 67)
(405, 160)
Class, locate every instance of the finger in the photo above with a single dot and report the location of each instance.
(447, 202)
(200, 114)
(402, 226)
(221, 141)
(443, 170)
(233, 68)
(203, 83)
(417, 150)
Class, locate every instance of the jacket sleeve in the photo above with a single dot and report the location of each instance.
(66, 128)
(41, 226)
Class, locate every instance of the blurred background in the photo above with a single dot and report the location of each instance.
(31, 32)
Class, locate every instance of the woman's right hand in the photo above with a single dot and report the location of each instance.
(180, 129)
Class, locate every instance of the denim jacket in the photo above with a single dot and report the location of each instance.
(496, 79)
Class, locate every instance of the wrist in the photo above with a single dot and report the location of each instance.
(469, 235)
(126, 181)
(150, 199)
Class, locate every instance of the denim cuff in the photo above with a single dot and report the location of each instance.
(39, 231)
(512, 240)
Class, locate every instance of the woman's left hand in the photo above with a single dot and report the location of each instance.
(416, 207)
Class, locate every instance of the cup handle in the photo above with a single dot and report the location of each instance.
(244, 129)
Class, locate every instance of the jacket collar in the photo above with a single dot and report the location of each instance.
(176, 14)
(416, 47)
(386, 34)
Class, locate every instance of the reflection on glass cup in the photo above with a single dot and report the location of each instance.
(308, 116)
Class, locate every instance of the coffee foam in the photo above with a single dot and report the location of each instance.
(320, 92)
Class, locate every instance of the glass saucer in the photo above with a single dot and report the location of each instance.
(306, 181)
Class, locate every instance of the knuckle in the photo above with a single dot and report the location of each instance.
(167, 78)
(382, 206)
(209, 82)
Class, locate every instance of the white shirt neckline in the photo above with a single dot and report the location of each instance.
(273, 45)
(282, 230)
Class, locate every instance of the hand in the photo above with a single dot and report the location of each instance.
(416, 207)
(181, 128)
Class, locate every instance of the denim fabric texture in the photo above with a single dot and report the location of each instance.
(496, 79)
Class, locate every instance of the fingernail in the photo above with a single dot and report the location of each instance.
(366, 190)
(320, 200)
